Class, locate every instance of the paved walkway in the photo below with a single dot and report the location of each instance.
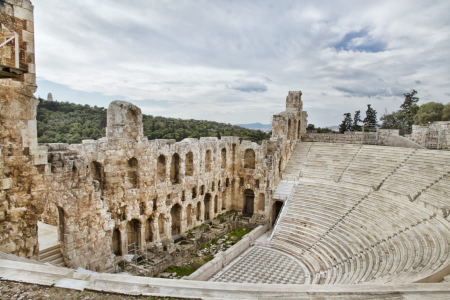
(262, 265)
(47, 236)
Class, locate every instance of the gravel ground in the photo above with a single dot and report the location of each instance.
(24, 291)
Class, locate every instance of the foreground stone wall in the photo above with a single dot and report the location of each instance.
(21, 159)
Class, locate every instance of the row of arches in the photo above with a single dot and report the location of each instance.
(249, 163)
(136, 230)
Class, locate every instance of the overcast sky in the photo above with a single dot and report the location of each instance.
(235, 61)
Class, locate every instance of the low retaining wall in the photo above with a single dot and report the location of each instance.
(221, 260)
(384, 137)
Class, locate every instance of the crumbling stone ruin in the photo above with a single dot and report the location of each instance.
(123, 189)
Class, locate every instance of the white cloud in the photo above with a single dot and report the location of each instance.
(236, 61)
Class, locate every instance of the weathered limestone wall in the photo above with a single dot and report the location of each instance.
(124, 190)
(21, 159)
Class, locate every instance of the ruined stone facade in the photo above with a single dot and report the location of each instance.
(122, 190)
(22, 161)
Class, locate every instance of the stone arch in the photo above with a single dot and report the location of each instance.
(117, 242)
(199, 210)
(224, 158)
(262, 202)
(208, 161)
(189, 214)
(161, 228)
(175, 213)
(207, 204)
(249, 159)
(175, 169)
(249, 201)
(161, 168)
(132, 173)
(98, 173)
(189, 164)
(61, 224)
(216, 204)
(133, 232)
(148, 230)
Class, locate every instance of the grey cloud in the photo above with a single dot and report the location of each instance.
(249, 86)
(447, 94)
(370, 93)
(417, 81)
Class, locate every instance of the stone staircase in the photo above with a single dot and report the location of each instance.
(52, 255)
(283, 190)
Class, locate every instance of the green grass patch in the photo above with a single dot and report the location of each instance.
(238, 233)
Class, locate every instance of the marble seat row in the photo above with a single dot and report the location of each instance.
(343, 236)
(420, 171)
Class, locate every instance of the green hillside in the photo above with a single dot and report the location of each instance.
(64, 122)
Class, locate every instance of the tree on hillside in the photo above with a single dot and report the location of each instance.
(408, 109)
(446, 112)
(392, 120)
(346, 123)
(371, 116)
(310, 127)
(428, 113)
(356, 121)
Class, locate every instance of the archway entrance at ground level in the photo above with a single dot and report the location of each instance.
(249, 200)
(276, 209)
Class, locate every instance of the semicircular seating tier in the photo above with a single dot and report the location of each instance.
(367, 214)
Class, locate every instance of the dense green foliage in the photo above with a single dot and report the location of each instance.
(410, 113)
(64, 122)
(356, 121)
(371, 116)
(352, 124)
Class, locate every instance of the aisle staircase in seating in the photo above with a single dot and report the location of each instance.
(52, 255)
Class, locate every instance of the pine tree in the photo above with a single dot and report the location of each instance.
(371, 116)
(356, 121)
(346, 123)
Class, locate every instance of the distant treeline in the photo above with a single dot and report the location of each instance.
(64, 122)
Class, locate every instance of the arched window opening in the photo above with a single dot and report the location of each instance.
(199, 210)
(224, 201)
(207, 203)
(175, 169)
(202, 190)
(298, 129)
(154, 201)
(216, 204)
(117, 242)
(280, 165)
(175, 213)
(289, 130)
(249, 159)
(208, 161)
(189, 164)
(241, 182)
(194, 192)
(262, 202)
(148, 231)
(213, 186)
(97, 173)
(189, 215)
(224, 158)
(227, 182)
(249, 200)
(161, 168)
(133, 232)
(132, 173)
